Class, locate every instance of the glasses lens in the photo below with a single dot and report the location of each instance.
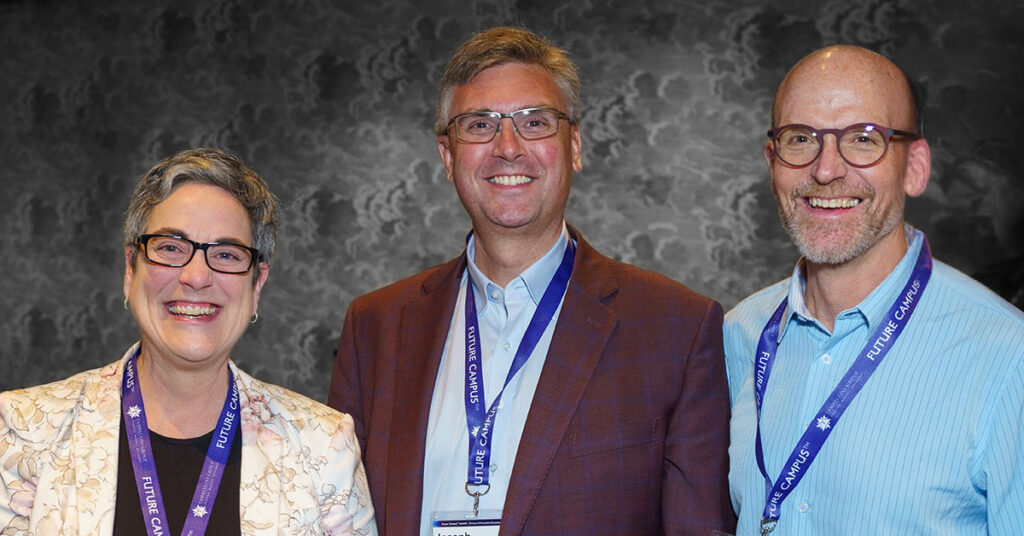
(476, 127)
(168, 250)
(796, 145)
(534, 124)
(228, 258)
(862, 145)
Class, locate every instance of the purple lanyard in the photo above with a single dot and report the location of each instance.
(141, 451)
(821, 426)
(481, 422)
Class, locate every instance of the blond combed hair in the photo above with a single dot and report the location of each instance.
(507, 45)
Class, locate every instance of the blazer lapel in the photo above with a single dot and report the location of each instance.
(423, 330)
(95, 444)
(584, 325)
(261, 487)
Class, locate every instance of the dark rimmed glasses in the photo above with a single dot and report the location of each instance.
(176, 251)
(860, 145)
(530, 123)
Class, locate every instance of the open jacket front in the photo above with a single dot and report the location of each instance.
(300, 469)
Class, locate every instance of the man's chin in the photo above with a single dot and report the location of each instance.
(829, 249)
(827, 256)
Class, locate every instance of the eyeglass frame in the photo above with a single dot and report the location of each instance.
(143, 240)
(819, 134)
(511, 115)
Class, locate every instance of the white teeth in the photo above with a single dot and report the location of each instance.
(193, 310)
(845, 202)
(510, 180)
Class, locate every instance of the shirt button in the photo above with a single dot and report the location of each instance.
(494, 467)
(804, 507)
(826, 358)
(495, 294)
(507, 345)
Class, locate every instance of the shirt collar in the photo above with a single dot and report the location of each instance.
(874, 307)
(535, 277)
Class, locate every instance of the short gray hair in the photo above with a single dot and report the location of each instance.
(216, 167)
(507, 45)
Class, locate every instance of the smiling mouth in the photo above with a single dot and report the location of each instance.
(192, 311)
(510, 180)
(833, 203)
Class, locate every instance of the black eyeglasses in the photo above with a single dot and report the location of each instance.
(860, 145)
(530, 123)
(177, 251)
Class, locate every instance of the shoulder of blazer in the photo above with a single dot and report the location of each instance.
(43, 413)
(412, 287)
(619, 284)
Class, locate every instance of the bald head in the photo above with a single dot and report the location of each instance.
(843, 78)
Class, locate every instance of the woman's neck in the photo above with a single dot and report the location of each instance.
(182, 403)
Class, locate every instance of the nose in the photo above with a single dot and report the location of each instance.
(508, 144)
(829, 165)
(196, 274)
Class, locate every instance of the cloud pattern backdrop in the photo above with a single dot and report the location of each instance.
(333, 103)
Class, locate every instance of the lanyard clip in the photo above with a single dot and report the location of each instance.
(476, 496)
(768, 525)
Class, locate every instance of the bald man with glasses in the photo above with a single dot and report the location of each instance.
(923, 365)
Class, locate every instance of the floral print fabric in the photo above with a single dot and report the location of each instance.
(301, 469)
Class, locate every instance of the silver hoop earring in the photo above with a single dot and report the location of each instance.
(255, 317)
(126, 304)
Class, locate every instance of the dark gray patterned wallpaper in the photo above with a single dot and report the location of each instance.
(332, 102)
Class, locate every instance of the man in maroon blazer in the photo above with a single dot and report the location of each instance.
(531, 379)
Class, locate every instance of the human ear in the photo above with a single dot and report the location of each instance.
(129, 270)
(918, 168)
(577, 148)
(447, 158)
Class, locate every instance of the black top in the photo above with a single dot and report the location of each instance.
(178, 465)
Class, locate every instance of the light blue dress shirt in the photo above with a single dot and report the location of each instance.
(503, 315)
(933, 444)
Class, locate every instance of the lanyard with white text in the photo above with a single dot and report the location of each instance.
(481, 423)
(879, 344)
(141, 450)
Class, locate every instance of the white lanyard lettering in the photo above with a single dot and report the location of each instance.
(821, 426)
(141, 451)
(481, 423)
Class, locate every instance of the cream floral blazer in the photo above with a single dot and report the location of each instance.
(301, 472)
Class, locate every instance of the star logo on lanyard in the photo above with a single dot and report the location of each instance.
(474, 431)
(134, 411)
(823, 423)
(199, 511)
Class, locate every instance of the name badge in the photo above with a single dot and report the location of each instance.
(485, 523)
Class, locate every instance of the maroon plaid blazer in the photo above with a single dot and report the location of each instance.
(628, 432)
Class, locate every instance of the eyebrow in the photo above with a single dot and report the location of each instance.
(490, 111)
(183, 234)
